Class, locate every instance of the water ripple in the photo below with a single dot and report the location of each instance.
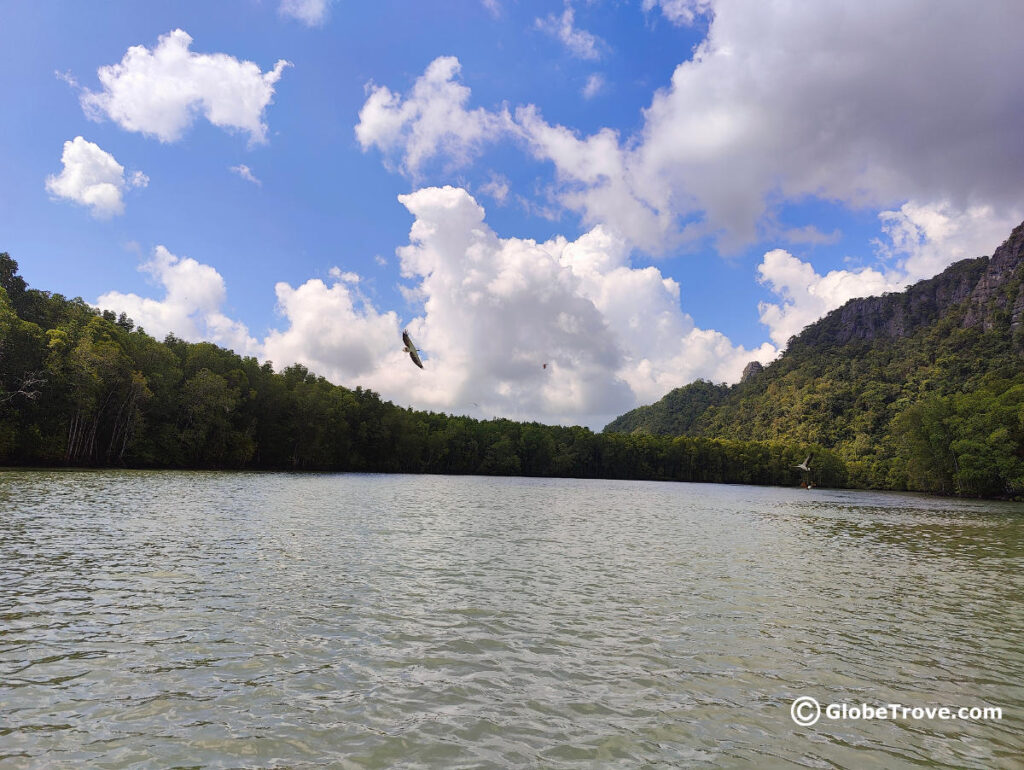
(245, 620)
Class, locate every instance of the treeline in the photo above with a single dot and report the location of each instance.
(938, 408)
(84, 388)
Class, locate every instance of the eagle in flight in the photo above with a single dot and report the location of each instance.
(411, 349)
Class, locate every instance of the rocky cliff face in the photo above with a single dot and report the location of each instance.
(752, 369)
(1000, 289)
(992, 287)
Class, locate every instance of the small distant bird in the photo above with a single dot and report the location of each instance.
(543, 366)
(411, 349)
(804, 466)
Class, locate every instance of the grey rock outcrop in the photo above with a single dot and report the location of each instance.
(750, 370)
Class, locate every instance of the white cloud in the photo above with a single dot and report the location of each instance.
(160, 92)
(679, 12)
(595, 84)
(495, 310)
(67, 77)
(246, 173)
(344, 276)
(598, 180)
(926, 238)
(493, 6)
(858, 104)
(92, 177)
(807, 296)
(835, 101)
(313, 13)
(431, 120)
(334, 330)
(192, 307)
(922, 240)
(581, 44)
(497, 188)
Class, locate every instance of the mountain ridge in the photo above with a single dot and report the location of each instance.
(948, 350)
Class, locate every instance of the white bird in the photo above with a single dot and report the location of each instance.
(411, 349)
(804, 466)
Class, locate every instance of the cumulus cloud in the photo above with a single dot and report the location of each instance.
(335, 331)
(920, 241)
(312, 13)
(92, 177)
(246, 173)
(579, 42)
(192, 306)
(431, 120)
(926, 238)
(159, 92)
(495, 310)
(859, 104)
(835, 101)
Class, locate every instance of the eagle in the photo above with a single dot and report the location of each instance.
(411, 349)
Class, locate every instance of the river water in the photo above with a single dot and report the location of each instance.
(169, 619)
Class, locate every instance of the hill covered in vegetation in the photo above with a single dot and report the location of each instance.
(920, 390)
(84, 388)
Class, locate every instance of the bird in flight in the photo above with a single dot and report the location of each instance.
(804, 466)
(411, 349)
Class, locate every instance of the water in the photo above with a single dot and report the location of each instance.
(243, 620)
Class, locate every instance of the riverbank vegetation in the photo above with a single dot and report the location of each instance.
(84, 388)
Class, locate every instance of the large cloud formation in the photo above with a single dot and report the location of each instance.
(866, 104)
(495, 312)
(559, 331)
(160, 92)
(92, 177)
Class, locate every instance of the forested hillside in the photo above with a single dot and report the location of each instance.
(921, 390)
(82, 388)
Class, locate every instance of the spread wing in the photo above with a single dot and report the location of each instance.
(411, 349)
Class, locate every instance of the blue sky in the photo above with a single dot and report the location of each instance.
(636, 194)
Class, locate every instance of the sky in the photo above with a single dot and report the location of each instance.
(573, 207)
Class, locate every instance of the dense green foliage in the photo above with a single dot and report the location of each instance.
(933, 401)
(78, 387)
(676, 414)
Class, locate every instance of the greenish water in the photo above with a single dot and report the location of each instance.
(242, 620)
